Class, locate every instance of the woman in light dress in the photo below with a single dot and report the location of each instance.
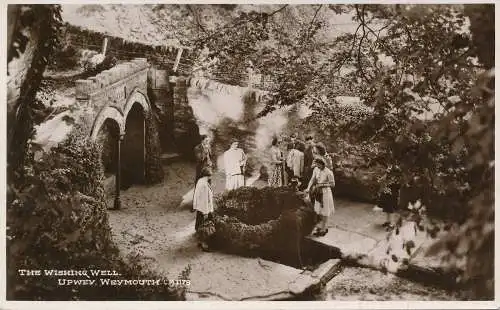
(234, 165)
(276, 176)
(203, 202)
(320, 186)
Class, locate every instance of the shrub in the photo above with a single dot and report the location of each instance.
(65, 58)
(57, 219)
(267, 222)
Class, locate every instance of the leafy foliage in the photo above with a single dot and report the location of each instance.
(404, 61)
(448, 170)
(58, 219)
(65, 57)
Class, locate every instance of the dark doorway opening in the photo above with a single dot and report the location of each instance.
(133, 148)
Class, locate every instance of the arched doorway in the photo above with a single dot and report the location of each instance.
(108, 137)
(133, 148)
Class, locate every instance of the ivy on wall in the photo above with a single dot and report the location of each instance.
(186, 131)
(154, 170)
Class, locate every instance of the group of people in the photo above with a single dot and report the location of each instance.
(307, 167)
(304, 166)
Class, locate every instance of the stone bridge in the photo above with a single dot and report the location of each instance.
(130, 111)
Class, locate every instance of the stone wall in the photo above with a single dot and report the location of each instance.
(160, 56)
(174, 122)
(154, 170)
(186, 131)
(160, 93)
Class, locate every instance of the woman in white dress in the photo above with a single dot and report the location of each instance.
(234, 165)
(295, 160)
(321, 184)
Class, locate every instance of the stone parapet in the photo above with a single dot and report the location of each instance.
(90, 86)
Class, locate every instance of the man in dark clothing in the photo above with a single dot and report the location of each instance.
(203, 156)
(388, 200)
(309, 153)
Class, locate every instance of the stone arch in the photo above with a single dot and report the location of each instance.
(108, 112)
(136, 112)
(136, 96)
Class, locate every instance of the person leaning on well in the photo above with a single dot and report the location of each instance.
(203, 201)
(203, 156)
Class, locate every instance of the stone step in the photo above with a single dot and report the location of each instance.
(310, 280)
(346, 242)
(168, 158)
(219, 276)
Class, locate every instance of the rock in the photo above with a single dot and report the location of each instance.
(302, 283)
(359, 185)
(324, 270)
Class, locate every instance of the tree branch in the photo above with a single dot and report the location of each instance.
(233, 24)
(341, 64)
(196, 18)
(312, 20)
(277, 11)
(361, 17)
(377, 35)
